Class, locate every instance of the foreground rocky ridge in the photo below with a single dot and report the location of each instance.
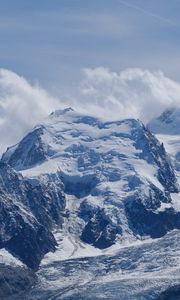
(15, 282)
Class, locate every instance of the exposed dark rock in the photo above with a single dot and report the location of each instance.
(28, 213)
(146, 222)
(15, 281)
(99, 231)
(172, 293)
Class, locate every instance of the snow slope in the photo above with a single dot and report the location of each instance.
(139, 272)
(8, 259)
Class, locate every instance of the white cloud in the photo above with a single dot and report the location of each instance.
(132, 93)
(21, 107)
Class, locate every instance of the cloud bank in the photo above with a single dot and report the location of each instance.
(132, 93)
(22, 105)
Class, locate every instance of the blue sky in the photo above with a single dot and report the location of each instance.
(51, 41)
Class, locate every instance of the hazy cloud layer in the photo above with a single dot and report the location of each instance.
(132, 93)
(21, 107)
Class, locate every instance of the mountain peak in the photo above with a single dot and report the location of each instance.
(167, 123)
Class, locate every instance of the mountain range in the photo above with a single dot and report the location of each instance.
(85, 200)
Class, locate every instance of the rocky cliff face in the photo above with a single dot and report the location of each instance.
(15, 282)
(28, 213)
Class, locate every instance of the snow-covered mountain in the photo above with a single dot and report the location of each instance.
(167, 129)
(118, 174)
(167, 123)
(85, 187)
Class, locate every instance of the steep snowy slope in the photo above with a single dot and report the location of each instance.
(117, 178)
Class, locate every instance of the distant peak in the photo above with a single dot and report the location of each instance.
(167, 123)
(166, 116)
(61, 112)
